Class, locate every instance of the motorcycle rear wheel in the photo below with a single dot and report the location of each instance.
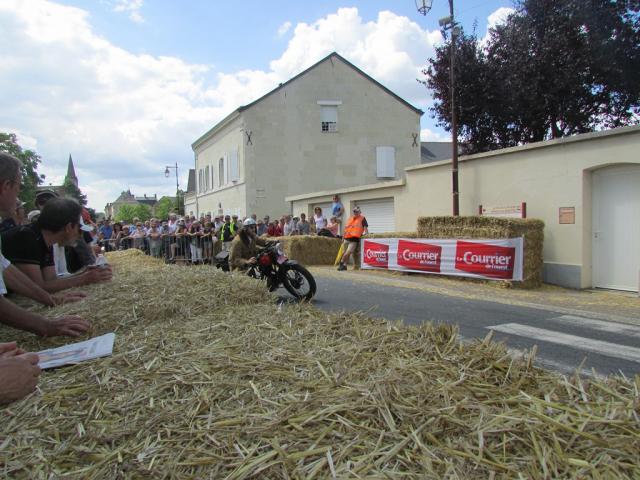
(299, 282)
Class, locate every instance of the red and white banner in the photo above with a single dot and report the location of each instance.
(490, 259)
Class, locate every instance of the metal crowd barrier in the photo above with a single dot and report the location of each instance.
(186, 248)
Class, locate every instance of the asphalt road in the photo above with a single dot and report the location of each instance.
(565, 342)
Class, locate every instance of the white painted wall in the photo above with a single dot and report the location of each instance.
(545, 175)
(232, 194)
(290, 155)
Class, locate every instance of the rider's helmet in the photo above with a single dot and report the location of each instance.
(249, 222)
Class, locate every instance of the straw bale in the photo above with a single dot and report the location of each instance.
(393, 235)
(471, 227)
(310, 249)
(211, 379)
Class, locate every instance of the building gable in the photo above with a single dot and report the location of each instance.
(329, 58)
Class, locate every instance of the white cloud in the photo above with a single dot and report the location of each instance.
(392, 49)
(496, 18)
(427, 135)
(284, 28)
(124, 116)
(132, 7)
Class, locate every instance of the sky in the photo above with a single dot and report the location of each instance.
(126, 86)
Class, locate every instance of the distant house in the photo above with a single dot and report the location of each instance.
(127, 198)
(330, 127)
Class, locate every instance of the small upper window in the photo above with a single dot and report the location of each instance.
(329, 118)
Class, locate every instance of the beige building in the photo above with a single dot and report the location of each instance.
(127, 198)
(585, 188)
(331, 126)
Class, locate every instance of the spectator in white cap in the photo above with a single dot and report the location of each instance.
(29, 246)
(32, 216)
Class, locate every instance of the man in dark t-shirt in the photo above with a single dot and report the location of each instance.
(29, 247)
(25, 244)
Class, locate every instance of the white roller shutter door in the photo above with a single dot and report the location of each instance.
(379, 214)
(326, 209)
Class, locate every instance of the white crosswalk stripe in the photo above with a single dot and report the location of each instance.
(552, 364)
(603, 326)
(581, 343)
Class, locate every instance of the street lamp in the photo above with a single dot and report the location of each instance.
(448, 23)
(166, 174)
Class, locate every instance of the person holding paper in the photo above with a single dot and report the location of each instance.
(11, 314)
(29, 247)
(19, 373)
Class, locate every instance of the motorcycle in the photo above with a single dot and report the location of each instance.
(273, 266)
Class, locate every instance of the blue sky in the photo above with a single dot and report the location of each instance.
(125, 86)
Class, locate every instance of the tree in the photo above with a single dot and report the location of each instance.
(126, 213)
(30, 161)
(180, 201)
(164, 206)
(554, 68)
(142, 212)
(71, 190)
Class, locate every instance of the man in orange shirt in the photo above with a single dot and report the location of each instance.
(354, 229)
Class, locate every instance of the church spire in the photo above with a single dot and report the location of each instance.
(71, 172)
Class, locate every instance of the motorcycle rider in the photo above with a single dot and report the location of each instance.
(243, 249)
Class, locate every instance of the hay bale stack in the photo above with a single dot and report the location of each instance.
(210, 379)
(491, 227)
(310, 249)
(393, 235)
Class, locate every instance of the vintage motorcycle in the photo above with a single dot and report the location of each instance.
(273, 266)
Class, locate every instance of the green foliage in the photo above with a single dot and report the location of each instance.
(142, 212)
(30, 161)
(72, 191)
(126, 213)
(555, 68)
(164, 206)
(180, 201)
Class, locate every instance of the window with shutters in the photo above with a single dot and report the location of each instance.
(385, 162)
(329, 118)
(234, 166)
(221, 179)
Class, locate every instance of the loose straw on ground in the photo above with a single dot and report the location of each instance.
(210, 379)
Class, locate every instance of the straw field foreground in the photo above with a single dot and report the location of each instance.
(211, 379)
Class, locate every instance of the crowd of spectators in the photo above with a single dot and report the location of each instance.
(193, 240)
(56, 246)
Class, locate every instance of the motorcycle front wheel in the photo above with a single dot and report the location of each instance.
(299, 282)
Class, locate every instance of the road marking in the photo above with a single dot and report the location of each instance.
(580, 343)
(540, 361)
(562, 368)
(610, 327)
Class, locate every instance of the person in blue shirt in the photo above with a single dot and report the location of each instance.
(337, 209)
(105, 232)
